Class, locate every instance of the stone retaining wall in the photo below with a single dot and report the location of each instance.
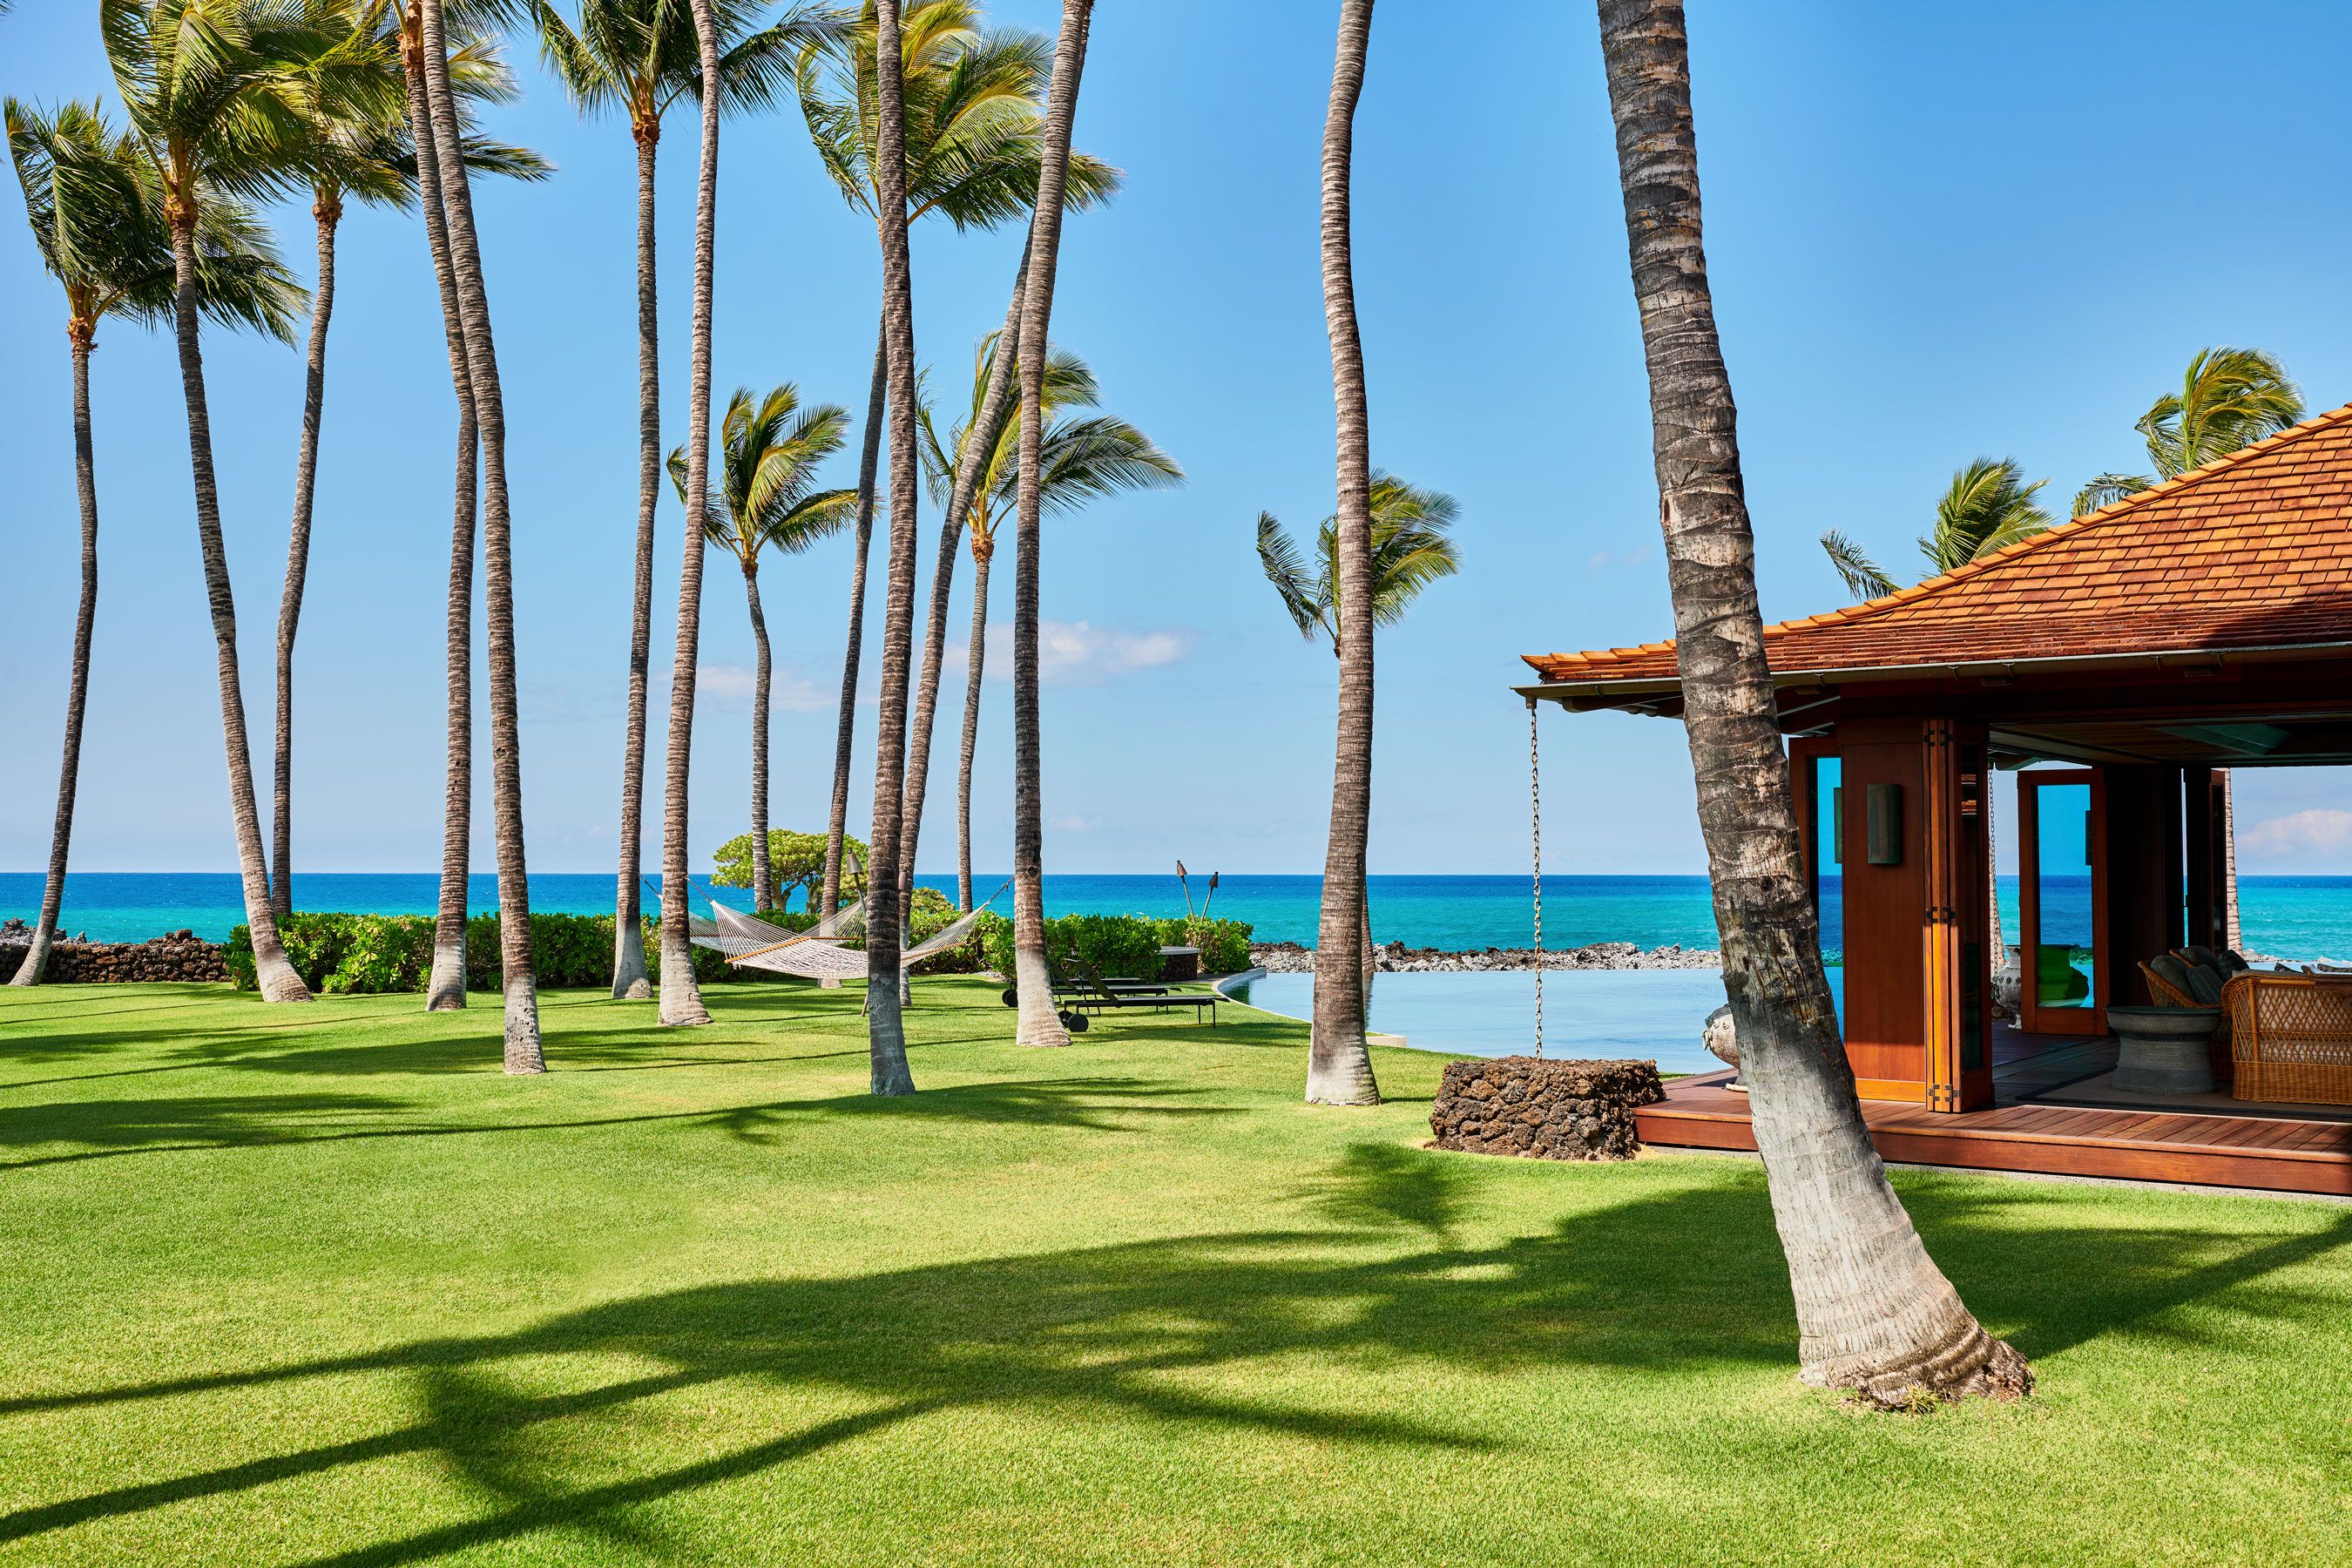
(1543, 1110)
(181, 956)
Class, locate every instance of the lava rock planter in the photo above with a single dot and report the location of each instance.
(1543, 1110)
(2164, 1050)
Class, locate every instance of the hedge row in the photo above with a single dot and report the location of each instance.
(357, 954)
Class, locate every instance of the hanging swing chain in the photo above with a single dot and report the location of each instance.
(1535, 817)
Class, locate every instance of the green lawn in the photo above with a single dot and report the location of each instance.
(295, 1285)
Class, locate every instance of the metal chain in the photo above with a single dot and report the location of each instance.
(1535, 815)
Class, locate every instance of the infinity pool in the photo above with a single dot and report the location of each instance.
(1654, 1013)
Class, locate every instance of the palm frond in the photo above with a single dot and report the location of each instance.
(1285, 567)
(1861, 577)
(2105, 489)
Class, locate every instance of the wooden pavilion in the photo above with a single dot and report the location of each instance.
(2202, 626)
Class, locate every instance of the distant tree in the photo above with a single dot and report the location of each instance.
(1988, 507)
(95, 204)
(2228, 398)
(765, 497)
(796, 865)
(1411, 548)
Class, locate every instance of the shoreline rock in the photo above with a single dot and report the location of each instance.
(1293, 958)
(180, 957)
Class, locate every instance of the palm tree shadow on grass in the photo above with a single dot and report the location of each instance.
(1685, 1279)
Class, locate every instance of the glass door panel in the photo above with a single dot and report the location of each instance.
(2061, 899)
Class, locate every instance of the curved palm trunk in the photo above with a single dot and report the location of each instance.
(445, 990)
(278, 981)
(629, 982)
(1039, 1024)
(982, 547)
(53, 891)
(2232, 937)
(869, 461)
(886, 1031)
(1874, 1314)
(328, 209)
(978, 442)
(681, 998)
(518, 978)
(1338, 1062)
(764, 877)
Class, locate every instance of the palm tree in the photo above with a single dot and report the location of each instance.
(1039, 1024)
(201, 82)
(96, 210)
(1874, 1311)
(519, 980)
(354, 103)
(767, 498)
(971, 129)
(681, 998)
(641, 56)
(1080, 460)
(1339, 1063)
(1988, 507)
(2228, 398)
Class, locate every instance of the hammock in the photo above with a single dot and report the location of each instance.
(731, 931)
(814, 955)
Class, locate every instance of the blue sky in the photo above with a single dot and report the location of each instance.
(1934, 232)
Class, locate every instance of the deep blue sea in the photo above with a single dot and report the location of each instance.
(2292, 917)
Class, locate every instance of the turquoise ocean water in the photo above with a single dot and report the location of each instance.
(2292, 917)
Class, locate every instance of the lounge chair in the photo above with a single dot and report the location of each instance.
(2290, 1039)
(1096, 994)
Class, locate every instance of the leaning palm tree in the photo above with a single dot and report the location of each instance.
(203, 84)
(1339, 1061)
(1988, 507)
(766, 499)
(641, 57)
(1080, 460)
(518, 979)
(96, 210)
(1039, 1023)
(970, 125)
(1874, 1314)
(354, 104)
(2228, 398)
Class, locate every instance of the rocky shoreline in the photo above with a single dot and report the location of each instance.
(179, 955)
(1291, 958)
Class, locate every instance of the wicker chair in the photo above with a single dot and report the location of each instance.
(2173, 992)
(2290, 1039)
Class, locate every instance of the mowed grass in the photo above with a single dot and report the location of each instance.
(321, 1285)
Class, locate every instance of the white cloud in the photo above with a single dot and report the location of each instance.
(1074, 823)
(2317, 832)
(1603, 560)
(1080, 653)
(729, 686)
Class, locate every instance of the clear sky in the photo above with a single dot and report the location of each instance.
(1934, 232)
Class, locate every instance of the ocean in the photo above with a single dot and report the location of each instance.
(2291, 916)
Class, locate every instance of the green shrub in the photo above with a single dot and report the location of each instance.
(363, 955)
(1123, 946)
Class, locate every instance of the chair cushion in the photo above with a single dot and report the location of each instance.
(2205, 984)
(2175, 974)
(2205, 956)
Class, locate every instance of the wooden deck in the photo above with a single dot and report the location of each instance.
(2252, 1148)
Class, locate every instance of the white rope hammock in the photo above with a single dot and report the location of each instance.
(731, 932)
(817, 955)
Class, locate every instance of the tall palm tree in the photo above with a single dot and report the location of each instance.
(681, 998)
(1039, 1024)
(519, 977)
(201, 82)
(1080, 460)
(886, 1039)
(96, 210)
(1340, 1062)
(1988, 507)
(355, 110)
(766, 498)
(642, 57)
(970, 124)
(1874, 1311)
(2228, 398)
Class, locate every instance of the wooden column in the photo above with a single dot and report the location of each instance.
(1956, 974)
(2145, 913)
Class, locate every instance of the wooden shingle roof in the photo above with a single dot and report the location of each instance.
(2252, 550)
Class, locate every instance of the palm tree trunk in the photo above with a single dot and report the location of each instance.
(978, 442)
(1338, 1062)
(681, 998)
(80, 334)
(869, 461)
(886, 1031)
(763, 878)
(1039, 1023)
(518, 978)
(1874, 1311)
(328, 210)
(2232, 937)
(278, 981)
(629, 981)
(982, 547)
(445, 989)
